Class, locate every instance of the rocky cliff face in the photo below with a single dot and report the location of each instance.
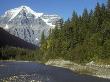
(26, 24)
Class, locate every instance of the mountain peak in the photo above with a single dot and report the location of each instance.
(24, 6)
(14, 12)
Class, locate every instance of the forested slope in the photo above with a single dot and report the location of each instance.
(81, 38)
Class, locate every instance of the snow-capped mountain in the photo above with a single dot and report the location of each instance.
(27, 24)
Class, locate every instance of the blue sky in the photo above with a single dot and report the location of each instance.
(64, 8)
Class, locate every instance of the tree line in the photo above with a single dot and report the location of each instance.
(17, 53)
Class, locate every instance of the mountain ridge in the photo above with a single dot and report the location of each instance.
(27, 24)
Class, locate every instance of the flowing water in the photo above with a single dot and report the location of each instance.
(35, 72)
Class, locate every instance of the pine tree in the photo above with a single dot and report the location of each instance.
(42, 38)
(108, 4)
(85, 16)
(74, 16)
(98, 18)
(91, 13)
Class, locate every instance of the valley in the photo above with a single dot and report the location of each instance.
(46, 46)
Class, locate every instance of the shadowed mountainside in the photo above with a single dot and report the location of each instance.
(6, 39)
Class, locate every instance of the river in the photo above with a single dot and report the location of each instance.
(11, 71)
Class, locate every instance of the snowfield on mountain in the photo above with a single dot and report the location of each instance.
(27, 24)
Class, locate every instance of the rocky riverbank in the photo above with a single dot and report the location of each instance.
(90, 68)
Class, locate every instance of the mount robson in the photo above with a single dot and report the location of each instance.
(27, 24)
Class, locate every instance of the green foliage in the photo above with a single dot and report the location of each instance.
(14, 53)
(82, 38)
